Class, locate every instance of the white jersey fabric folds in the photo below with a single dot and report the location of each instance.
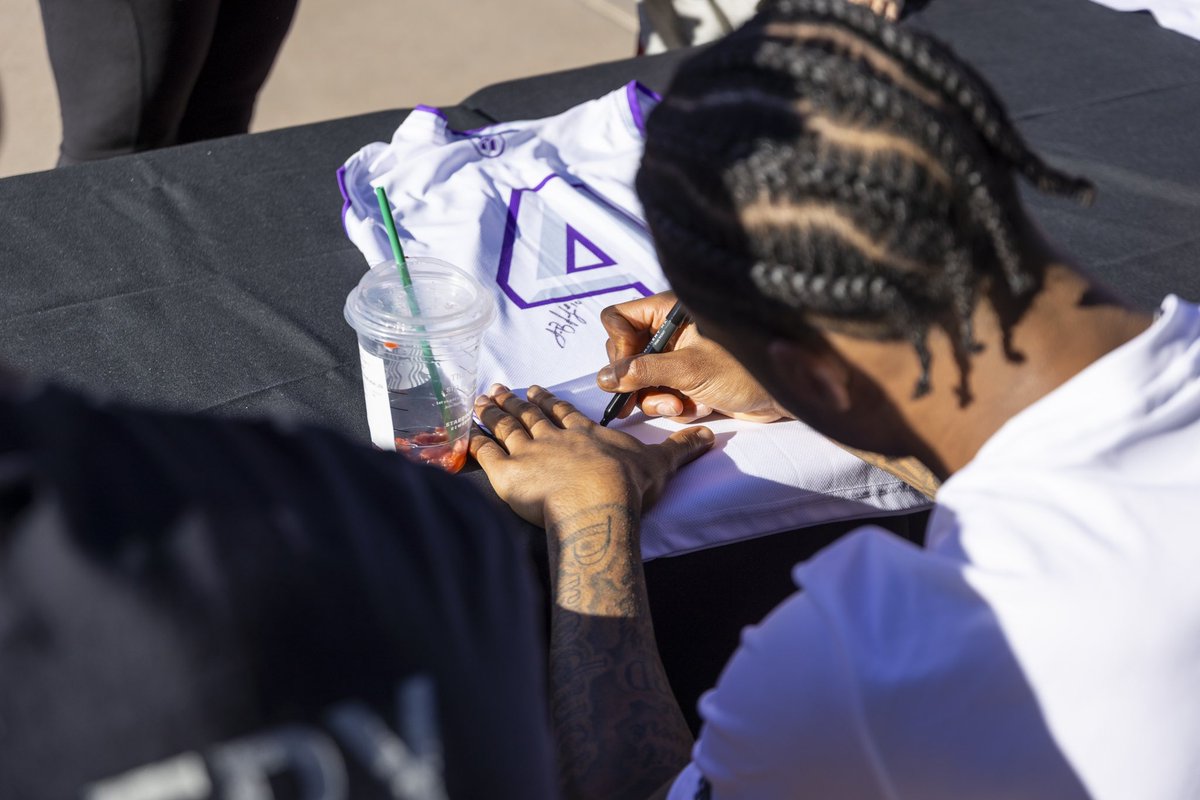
(545, 212)
(1046, 644)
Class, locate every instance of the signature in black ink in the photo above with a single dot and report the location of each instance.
(568, 318)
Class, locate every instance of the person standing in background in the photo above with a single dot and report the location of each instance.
(135, 75)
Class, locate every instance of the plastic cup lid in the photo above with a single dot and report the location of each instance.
(452, 303)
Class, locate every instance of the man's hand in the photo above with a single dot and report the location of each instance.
(691, 380)
(548, 458)
(618, 728)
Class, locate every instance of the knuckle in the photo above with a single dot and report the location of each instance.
(521, 409)
(636, 370)
(613, 321)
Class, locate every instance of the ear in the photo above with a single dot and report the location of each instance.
(813, 371)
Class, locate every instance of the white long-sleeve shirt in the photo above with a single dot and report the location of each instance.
(1045, 644)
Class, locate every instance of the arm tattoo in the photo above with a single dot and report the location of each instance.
(619, 730)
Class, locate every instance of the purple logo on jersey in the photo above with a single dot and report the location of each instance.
(592, 257)
(545, 260)
(489, 146)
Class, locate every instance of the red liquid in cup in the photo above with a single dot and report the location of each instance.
(434, 447)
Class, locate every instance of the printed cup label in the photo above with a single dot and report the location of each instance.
(379, 407)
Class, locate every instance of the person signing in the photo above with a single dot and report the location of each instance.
(834, 199)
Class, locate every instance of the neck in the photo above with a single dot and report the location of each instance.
(1069, 325)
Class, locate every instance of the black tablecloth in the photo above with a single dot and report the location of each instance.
(211, 277)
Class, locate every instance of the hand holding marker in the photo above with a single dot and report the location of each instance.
(677, 317)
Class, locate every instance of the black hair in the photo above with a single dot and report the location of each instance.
(823, 167)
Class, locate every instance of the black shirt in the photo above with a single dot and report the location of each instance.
(206, 606)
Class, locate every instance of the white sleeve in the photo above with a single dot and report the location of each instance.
(784, 719)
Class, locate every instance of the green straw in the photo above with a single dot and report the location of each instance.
(414, 308)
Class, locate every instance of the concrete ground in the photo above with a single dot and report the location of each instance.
(343, 58)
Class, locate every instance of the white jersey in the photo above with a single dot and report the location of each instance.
(1046, 644)
(545, 212)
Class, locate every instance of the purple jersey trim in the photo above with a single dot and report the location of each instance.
(635, 106)
(542, 185)
(431, 110)
(510, 240)
(341, 182)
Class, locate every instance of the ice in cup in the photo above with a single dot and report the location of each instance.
(419, 347)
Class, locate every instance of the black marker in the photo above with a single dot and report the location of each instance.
(677, 317)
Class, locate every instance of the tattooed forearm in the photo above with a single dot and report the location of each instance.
(590, 545)
(619, 729)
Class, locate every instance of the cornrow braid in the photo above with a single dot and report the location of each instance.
(937, 67)
(823, 167)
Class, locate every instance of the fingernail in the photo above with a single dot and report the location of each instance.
(607, 378)
(496, 388)
(482, 400)
(666, 409)
(705, 435)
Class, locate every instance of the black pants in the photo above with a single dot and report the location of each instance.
(138, 74)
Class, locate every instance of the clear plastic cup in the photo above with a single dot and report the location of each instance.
(419, 369)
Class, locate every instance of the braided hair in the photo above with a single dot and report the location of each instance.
(824, 167)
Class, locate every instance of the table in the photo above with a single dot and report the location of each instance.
(210, 277)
